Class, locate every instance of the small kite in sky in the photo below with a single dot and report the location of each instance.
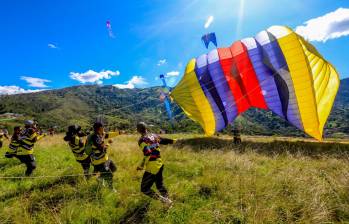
(110, 30)
(209, 37)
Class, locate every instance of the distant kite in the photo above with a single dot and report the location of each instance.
(210, 37)
(110, 30)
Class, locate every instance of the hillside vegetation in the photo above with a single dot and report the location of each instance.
(264, 180)
(122, 108)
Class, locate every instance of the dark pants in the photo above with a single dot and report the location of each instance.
(1, 144)
(86, 163)
(237, 140)
(106, 171)
(149, 179)
(29, 161)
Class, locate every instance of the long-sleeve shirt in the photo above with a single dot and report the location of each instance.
(14, 144)
(77, 146)
(150, 146)
(99, 148)
(27, 138)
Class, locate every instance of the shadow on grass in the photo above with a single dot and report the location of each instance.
(300, 148)
(8, 163)
(135, 215)
(40, 187)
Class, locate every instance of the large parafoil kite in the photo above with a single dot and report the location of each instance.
(276, 70)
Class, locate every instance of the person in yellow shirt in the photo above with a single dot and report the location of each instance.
(97, 148)
(14, 144)
(149, 144)
(3, 134)
(27, 139)
(74, 137)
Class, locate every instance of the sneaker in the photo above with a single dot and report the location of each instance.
(165, 200)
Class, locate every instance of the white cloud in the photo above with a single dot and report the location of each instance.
(329, 26)
(208, 21)
(53, 46)
(135, 81)
(172, 74)
(91, 76)
(161, 62)
(35, 82)
(11, 90)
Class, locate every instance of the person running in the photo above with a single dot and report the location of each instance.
(74, 137)
(237, 135)
(97, 148)
(3, 134)
(14, 144)
(149, 143)
(27, 139)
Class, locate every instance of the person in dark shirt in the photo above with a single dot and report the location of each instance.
(152, 163)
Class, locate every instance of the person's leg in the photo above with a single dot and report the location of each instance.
(30, 163)
(146, 184)
(107, 173)
(111, 166)
(159, 181)
(86, 167)
(98, 169)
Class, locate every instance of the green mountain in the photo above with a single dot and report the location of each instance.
(123, 108)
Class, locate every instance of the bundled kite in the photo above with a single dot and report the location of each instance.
(164, 96)
(276, 70)
(110, 30)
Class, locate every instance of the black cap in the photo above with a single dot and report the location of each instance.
(74, 128)
(141, 127)
(97, 125)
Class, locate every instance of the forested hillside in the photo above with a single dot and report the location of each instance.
(122, 108)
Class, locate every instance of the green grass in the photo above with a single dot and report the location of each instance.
(264, 180)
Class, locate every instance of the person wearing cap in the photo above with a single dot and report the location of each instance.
(14, 144)
(27, 139)
(149, 144)
(3, 134)
(74, 137)
(236, 135)
(97, 148)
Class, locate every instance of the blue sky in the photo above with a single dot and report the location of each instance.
(55, 44)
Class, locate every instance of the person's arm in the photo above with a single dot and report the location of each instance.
(166, 141)
(39, 137)
(81, 143)
(29, 139)
(99, 143)
(146, 155)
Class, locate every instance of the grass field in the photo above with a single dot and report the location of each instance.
(264, 180)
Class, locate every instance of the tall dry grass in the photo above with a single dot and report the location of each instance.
(263, 180)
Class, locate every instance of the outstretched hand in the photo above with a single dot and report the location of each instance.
(139, 168)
